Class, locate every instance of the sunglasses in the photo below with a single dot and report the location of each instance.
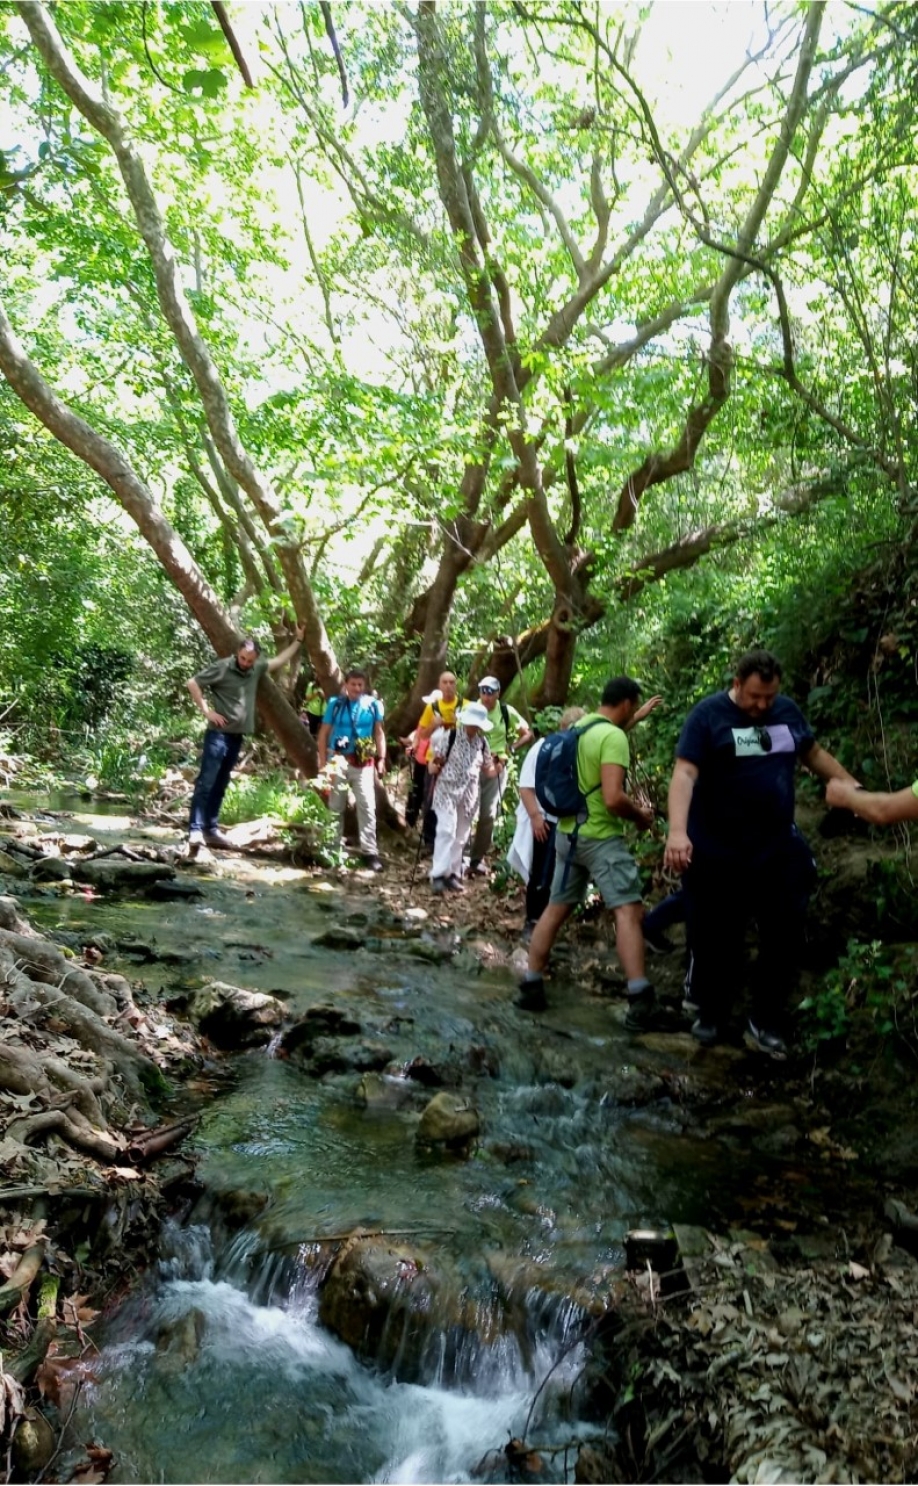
(763, 738)
(489, 691)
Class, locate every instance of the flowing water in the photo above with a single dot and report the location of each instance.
(219, 1368)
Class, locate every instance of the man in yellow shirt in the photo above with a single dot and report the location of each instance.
(598, 854)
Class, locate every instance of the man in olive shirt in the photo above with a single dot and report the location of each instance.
(509, 732)
(232, 683)
(599, 854)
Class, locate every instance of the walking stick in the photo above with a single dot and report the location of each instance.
(422, 818)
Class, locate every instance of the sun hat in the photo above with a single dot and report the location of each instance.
(435, 696)
(491, 682)
(474, 715)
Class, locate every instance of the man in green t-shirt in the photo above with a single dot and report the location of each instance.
(509, 732)
(232, 683)
(598, 853)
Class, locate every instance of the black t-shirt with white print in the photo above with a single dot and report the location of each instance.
(743, 801)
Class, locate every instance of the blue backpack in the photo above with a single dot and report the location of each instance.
(556, 784)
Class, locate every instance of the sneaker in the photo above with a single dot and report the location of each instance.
(766, 1042)
(438, 885)
(706, 1033)
(531, 995)
(195, 839)
(217, 839)
(657, 942)
(478, 868)
(454, 884)
(373, 864)
(641, 1012)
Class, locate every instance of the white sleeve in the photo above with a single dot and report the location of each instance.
(439, 742)
(527, 772)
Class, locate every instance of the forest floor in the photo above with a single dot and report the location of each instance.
(785, 1352)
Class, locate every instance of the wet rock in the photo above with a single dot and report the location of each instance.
(319, 1021)
(384, 1300)
(344, 1055)
(178, 1342)
(11, 918)
(33, 1443)
(448, 1120)
(339, 937)
(51, 869)
(376, 1091)
(233, 1017)
(425, 949)
(169, 890)
(10, 866)
(121, 877)
(423, 1072)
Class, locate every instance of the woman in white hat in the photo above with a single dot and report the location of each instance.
(456, 760)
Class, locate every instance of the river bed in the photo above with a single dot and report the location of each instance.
(219, 1367)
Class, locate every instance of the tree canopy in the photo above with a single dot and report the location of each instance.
(459, 332)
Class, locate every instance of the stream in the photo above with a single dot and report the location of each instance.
(227, 1364)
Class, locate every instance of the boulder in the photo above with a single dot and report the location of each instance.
(318, 1021)
(382, 1298)
(10, 866)
(448, 1120)
(51, 869)
(233, 1017)
(123, 877)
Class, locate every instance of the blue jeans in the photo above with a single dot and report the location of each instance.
(221, 751)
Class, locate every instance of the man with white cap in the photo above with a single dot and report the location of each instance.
(457, 758)
(509, 733)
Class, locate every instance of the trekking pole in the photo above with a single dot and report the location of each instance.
(422, 820)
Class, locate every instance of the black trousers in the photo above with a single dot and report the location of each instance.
(538, 888)
(724, 895)
(418, 795)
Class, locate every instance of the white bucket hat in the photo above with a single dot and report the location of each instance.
(475, 715)
(435, 696)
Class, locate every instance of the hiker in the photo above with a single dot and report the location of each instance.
(509, 733)
(457, 757)
(352, 750)
(439, 711)
(876, 806)
(313, 707)
(232, 683)
(532, 850)
(595, 852)
(732, 834)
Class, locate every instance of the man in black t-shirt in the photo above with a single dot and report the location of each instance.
(732, 832)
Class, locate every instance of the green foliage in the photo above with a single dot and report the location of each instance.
(873, 983)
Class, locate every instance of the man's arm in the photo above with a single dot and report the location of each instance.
(379, 738)
(824, 766)
(524, 733)
(879, 808)
(540, 826)
(617, 802)
(642, 712)
(216, 719)
(276, 661)
(678, 852)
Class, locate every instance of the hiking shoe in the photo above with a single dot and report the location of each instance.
(641, 1013)
(767, 1042)
(706, 1033)
(657, 942)
(373, 864)
(478, 868)
(438, 885)
(454, 884)
(531, 995)
(217, 839)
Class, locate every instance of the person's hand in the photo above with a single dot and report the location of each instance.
(643, 818)
(380, 767)
(838, 793)
(300, 633)
(646, 709)
(678, 853)
(216, 719)
(541, 830)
